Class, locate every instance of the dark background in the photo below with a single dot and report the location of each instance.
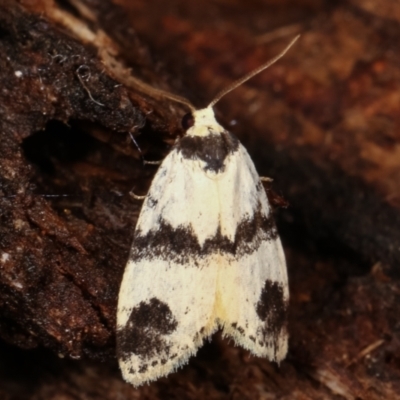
(323, 123)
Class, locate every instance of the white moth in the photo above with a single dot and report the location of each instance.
(205, 255)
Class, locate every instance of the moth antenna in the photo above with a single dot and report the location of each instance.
(245, 78)
(144, 87)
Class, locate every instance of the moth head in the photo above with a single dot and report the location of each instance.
(202, 117)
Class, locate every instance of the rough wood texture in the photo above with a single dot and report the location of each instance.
(323, 123)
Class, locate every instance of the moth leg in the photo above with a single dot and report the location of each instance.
(159, 162)
(145, 162)
(136, 197)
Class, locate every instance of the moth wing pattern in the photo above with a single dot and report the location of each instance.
(253, 288)
(205, 254)
(167, 296)
(254, 312)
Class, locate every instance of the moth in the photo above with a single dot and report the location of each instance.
(205, 255)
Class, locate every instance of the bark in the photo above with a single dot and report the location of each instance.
(323, 123)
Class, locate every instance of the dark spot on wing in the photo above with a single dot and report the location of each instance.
(143, 369)
(212, 149)
(151, 202)
(145, 331)
(235, 326)
(272, 309)
(162, 171)
(181, 246)
(198, 335)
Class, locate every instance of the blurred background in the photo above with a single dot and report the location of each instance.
(323, 123)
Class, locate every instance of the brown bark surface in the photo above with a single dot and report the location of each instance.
(323, 123)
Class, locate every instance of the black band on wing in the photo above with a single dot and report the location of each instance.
(180, 245)
(212, 149)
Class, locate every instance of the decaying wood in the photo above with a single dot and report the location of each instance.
(323, 123)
